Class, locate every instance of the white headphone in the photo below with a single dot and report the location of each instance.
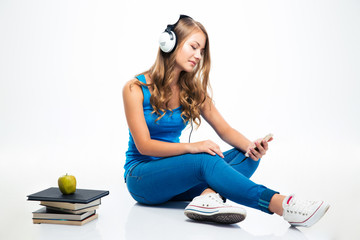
(168, 40)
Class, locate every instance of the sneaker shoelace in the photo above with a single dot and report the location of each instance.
(302, 207)
(216, 197)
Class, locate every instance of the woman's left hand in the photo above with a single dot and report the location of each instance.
(260, 150)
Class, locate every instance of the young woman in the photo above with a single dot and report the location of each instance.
(159, 104)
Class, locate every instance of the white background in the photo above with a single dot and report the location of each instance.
(286, 67)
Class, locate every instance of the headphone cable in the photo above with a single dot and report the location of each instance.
(191, 129)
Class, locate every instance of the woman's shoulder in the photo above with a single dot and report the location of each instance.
(132, 82)
(132, 87)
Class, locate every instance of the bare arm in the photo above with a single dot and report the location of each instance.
(230, 135)
(222, 128)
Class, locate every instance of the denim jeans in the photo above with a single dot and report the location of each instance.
(184, 177)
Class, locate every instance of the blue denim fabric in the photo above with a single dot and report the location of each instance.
(185, 176)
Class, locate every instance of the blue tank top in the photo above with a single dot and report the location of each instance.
(167, 129)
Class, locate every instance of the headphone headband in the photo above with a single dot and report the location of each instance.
(171, 27)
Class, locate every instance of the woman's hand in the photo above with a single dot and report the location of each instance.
(257, 149)
(206, 146)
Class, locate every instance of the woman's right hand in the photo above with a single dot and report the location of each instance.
(206, 146)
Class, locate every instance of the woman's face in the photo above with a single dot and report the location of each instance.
(191, 52)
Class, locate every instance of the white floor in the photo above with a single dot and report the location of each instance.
(120, 217)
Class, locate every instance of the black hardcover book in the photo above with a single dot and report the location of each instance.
(80, 196)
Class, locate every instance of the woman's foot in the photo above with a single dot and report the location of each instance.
(211, 208)
(303, 213)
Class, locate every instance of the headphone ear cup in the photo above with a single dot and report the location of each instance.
(167, 41)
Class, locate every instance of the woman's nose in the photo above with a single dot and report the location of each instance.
(198, 54)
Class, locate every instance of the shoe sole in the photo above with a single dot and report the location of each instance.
(223, 218)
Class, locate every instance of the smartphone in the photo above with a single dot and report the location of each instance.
(266, 139)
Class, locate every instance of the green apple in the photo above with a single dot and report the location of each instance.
(67, 184)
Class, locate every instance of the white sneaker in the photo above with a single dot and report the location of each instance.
(303, 213)
(211, 208)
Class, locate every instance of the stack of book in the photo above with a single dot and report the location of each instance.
(74, 209)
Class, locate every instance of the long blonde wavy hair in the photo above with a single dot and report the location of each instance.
(193, 85)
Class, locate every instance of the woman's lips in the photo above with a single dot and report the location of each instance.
(193, 63)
